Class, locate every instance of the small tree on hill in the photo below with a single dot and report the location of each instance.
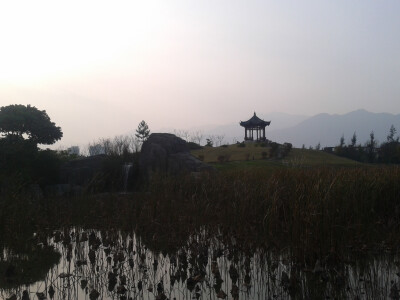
(209, 142)
(389, 151)
(339, 149)
(353, 140)
(370, 147)
(392, 132)
(143, 131)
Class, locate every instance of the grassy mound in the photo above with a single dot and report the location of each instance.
(255, 156)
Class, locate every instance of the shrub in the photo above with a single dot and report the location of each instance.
(209, 143)
(264, 154)
(223, 158)
(274, 152)
(194, 146)
(286, 149)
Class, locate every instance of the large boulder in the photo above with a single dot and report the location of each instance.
(167, 153)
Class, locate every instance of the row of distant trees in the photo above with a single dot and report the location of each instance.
(122, 144)
(371, 151)
(132, 143)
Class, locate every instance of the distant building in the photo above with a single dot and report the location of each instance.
(74, 150)
(254, 128)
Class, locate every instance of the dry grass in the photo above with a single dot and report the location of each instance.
(251, 158)
(234, 153)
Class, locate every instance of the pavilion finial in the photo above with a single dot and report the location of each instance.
(254, 113)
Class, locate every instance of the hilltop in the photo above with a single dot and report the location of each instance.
(255, 156)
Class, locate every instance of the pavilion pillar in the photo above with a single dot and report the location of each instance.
(245, 133)
(264, 133)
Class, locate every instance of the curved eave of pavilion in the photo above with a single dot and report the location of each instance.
(255, 123)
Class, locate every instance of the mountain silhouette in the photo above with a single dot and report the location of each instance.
(323, 128)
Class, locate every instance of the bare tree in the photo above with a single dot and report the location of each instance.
(135, 144)
(107, 146)
(197, 137)
(219, 139)
(120, 145)
(96, 148)
(183, 134)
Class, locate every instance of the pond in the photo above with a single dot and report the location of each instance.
(77, 263)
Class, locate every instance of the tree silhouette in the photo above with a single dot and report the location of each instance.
(19, 120)
(371, 147)
(353, 140)
(390, 138)
(143, 131)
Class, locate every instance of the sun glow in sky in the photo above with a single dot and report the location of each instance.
(99, 67)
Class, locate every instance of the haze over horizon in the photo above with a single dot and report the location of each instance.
(99, 68)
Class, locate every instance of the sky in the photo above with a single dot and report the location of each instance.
(100, 67)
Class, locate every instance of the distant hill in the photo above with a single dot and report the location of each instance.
(322, 128)
(234, 132)
(327, 129)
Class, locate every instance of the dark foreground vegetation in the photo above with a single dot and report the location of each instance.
(319, 219)
(315, 212)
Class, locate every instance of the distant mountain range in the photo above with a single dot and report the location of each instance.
(323, 128)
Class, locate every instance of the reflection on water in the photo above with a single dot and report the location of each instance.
(117, 265)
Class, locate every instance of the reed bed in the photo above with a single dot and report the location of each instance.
(316, 212)
(310, 228)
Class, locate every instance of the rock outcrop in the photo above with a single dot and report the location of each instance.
(81, 171)
(167, 153)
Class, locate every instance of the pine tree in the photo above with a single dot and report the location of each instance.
(353, 140)
(371, 147)
(143, 131)
(392, 132)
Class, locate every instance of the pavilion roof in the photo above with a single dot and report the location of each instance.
(254, 121)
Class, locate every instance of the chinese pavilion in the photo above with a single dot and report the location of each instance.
(254, 128)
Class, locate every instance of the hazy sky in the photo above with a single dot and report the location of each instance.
(99, 67)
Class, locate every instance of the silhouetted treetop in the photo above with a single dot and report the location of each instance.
(143, 131)
(19, 120)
